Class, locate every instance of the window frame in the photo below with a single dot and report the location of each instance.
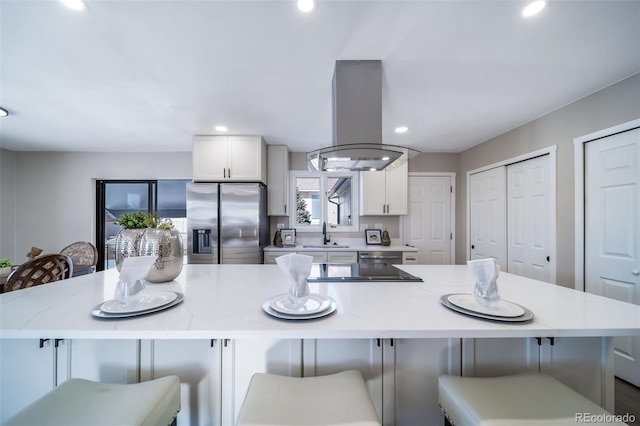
(324, 210)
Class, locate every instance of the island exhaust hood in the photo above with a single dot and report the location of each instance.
(357, 123)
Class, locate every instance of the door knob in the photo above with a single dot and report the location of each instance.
(635, 272)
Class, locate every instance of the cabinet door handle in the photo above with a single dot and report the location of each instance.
(285, 209)
(229, 173)
(42, 342)
(225, 172)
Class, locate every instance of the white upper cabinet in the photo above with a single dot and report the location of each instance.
(385, 192)
(229, 158)
(278, 180)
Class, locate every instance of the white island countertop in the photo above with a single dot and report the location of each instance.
(224, 301)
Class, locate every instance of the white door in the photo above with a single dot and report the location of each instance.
(488, 215)
(612, 232)
(528, 218)
(428, 224)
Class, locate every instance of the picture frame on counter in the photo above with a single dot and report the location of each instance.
(373, 237)
(288, 237)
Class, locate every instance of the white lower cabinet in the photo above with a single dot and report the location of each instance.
(329, 356)
(271, 256)
(106, 361)
(578, 362)
(401, 374)
(215, 374)
(198, 364)
(342, 257)
(409, 258)
(318, 256)
(417, 365)
(29, 369)
(242, 358)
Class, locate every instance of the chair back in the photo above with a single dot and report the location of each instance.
(41, 270)
(81, 253)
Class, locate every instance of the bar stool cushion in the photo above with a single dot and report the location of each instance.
(83, 402)
(520, 399)
(336, 399)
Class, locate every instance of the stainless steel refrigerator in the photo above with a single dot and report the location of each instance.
(226, 222)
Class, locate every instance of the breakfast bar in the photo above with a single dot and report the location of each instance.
(398, 334)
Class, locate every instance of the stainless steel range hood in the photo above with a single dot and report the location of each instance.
(357, 122)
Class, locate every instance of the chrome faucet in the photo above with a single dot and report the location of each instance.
(325, 240)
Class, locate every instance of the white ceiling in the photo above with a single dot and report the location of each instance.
(148, 75)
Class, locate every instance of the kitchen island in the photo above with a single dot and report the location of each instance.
(398, 334)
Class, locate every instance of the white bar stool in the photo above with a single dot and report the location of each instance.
(80, 402)
(520, 399)
(336, 399)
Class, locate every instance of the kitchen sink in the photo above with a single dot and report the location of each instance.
(328, 246)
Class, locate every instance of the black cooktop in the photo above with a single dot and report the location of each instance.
(336, 272)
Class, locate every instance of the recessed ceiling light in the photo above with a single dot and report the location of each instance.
(306, 5)
(74, 4)
(3, 112)
(534, 8)
(385, 158)
(221, 128)
(402, 129)
(372, 169)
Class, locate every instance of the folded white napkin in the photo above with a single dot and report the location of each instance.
(130, 287)
(486, 273)
(297, 268)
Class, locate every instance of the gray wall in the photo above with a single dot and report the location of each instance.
(47, 199)
(614, 105)
(7, 204)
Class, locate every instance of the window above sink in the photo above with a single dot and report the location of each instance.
(320, 197)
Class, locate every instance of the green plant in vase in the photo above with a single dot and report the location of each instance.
(128, 239)
(5, 268)
(5, 263)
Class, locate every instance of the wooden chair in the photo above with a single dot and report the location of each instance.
(41, 270)
(84, 256)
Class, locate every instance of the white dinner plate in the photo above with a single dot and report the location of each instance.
(500, 308)
(315, 303)
(96, 312)
(528, 315)
(266, 306)
(151, 300)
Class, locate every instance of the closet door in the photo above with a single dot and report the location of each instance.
(488, 215)
(612, 232)
(528, 218)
